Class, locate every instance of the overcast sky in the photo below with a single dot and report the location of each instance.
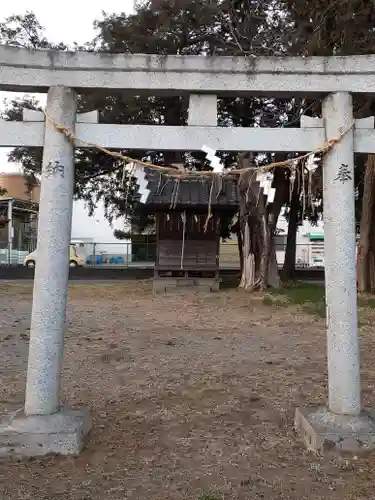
(67, 21)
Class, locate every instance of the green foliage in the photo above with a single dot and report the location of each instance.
(344, 27)
(163, 27)
(24, 31)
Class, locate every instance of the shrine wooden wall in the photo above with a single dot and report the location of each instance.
(198, 250)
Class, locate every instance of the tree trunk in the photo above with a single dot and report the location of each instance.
(273, 269)
(248, 267)
(258, 224)
(366, 247)
(280, 184)
(240, 246)
(266, 251)
(289, 267)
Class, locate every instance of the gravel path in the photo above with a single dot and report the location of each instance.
(191, 396)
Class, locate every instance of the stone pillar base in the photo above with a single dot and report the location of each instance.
(186, 285)
(324, 431)
(61, 433)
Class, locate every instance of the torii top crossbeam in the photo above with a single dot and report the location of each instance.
(37, 70)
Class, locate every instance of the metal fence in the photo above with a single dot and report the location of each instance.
(12, 257)
(138, 253)
(308, 255)
(120, 254)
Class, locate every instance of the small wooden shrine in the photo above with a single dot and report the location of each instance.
(188, 215)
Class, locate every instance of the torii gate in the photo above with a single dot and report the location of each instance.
(44, 427)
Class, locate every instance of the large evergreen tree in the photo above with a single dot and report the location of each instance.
(164, 27)
(247, 28)
(345, 27)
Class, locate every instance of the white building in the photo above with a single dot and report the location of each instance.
(95, 235)
(310, 243)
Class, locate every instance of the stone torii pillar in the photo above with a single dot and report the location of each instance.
(343, 424)
(44, 427)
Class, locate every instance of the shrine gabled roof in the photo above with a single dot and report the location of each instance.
(194, 193)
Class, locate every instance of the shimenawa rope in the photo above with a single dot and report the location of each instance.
(183, 173)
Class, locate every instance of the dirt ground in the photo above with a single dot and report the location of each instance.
(192, 397)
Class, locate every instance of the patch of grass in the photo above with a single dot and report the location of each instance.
(208, 496)
(229, 252)
(366, 301)
(16, 288)
(268, 300)
(317, 308)
(299, 293)
(309, 296)
(275, 301)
